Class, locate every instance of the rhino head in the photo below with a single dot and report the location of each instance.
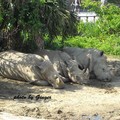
(101, 70)
(75, 74)
(98, 66)
(50, 74)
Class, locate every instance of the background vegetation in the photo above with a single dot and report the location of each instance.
(103, 35)
(22, 22)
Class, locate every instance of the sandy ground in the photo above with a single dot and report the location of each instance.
(94, 101)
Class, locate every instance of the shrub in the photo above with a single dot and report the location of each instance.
(103, 35)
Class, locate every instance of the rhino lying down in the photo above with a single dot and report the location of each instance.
(29, 67)
(65, 66)
(92, 59)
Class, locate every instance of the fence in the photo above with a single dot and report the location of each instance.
(87, 16)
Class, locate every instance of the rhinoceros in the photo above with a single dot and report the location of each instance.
(29, 67)
(65, 66)
(92, 59)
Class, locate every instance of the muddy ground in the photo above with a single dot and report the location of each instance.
(94, 101)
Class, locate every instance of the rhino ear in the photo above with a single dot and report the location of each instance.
(101, 53)
(80, 67)
(40, 68)
(87, 71)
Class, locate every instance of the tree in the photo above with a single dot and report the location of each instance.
(21, 21)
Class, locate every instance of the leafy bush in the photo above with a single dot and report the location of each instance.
(109, 44)
(104, 34)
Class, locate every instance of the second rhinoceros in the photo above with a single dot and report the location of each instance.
(65, 66)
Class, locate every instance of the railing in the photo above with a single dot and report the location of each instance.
(87, 16)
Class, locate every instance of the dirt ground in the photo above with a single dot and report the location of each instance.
(94, 101)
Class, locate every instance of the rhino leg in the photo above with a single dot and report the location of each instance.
(40, 83)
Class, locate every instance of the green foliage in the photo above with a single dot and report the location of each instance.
(22, 21)
(114, 1)
(103, 35)
(109, 44)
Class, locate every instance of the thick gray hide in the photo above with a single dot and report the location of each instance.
(92, 59)
(29, 67)
(65, 66)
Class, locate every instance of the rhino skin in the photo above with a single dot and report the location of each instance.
(93, 59)
(65, 66)
(29, 67)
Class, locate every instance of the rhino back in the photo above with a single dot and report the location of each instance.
(56, 59)
(19, 57)
(12, 70)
